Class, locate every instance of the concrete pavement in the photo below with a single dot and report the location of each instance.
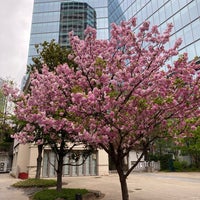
(7, 192)
(142, 186)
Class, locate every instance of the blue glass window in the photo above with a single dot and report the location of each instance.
(195, 29)
(197, 48)
(102, 23)
(175, 6)
(188, 37)
(177, 21)
(193, 11)
(191, 52)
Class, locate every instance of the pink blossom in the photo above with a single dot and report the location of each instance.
(123, 92)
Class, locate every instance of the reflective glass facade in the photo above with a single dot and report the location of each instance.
(75, 16)
(47, 17)
(184, 14)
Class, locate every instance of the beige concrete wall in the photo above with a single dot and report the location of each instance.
(14, 171)
(20, 159)
(32, 161)
(102, 165)
(133, 156)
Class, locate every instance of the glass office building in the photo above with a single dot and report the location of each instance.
(48, 18)
(75, 16)
(184, 14)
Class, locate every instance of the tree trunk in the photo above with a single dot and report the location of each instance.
(59, 172)
(118, 160)
(61, 155)
(39, 161)
(123, 183)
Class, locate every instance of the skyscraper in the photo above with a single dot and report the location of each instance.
(52, 19)
(75, 16)
(49, 17)
(184, 15)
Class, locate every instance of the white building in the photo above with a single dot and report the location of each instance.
(25, 161)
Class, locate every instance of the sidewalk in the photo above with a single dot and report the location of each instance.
(142, 186)
(7, 192)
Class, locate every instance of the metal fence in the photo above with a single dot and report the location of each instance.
(144, 166)
(147, 166)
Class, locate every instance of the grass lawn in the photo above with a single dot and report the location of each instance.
(52, 194)
(32, 182)
(48, 194)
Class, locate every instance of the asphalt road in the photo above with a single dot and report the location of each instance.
(142, 186)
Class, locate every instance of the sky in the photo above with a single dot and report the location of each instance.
(15, 27)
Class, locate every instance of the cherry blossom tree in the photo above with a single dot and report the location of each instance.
(46, 116)
(123, 95)
(129, 92)
(52, 55)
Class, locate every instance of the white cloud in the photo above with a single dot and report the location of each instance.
(15, 24)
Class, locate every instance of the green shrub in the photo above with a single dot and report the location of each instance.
(153, 157)
(193, 168)
(166, 162)
(180, 166)
(52, 194)
(35, 183)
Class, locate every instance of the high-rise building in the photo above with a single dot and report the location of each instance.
(75, 16)
(184, 15)
(52, 19)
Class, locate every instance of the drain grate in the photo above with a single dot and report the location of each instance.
(138, 188)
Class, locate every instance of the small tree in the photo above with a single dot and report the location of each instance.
(52, 55)
(191, 146)
(6, 126)
(127, 95)
(45, 110)
(6, 141)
